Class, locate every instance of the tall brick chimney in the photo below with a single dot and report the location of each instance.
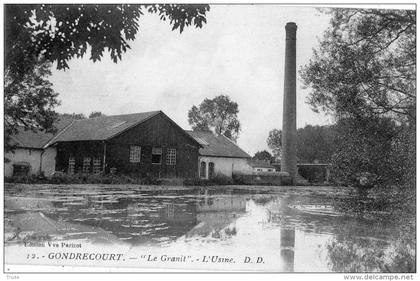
(288, 159)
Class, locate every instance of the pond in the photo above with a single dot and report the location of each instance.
(283, 229)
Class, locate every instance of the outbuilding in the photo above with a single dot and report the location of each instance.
(219, 155)
(262, 166)
(28, 156)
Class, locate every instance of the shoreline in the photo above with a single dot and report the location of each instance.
(170, 188)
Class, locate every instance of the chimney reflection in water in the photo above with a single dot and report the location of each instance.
(287, 249)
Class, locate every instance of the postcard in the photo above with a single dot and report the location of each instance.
(217, 138)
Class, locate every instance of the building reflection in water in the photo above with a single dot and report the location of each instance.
(216, 216)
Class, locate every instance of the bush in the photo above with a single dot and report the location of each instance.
(312, 174)
(221, 179)
(196, 182)
(61, 178)
(218, 179)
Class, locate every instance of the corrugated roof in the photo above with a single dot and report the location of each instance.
(217, 145)
(101, 128)
(30, 139)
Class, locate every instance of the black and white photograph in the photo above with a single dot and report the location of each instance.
(258, 138)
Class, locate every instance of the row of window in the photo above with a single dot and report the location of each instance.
(135, 155)
(88, 164)
(94, 164)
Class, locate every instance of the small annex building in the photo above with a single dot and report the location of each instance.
(262, 166)
(219, 155)
(147, 144)
(29, 157)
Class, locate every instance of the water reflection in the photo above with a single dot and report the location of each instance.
(216, 216)
(287, 249)
(299, 229)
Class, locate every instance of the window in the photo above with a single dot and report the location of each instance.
(135, 153)
(203, 170)
(21, 169)
(211, 170)
(96, 165)
(259, 170)
(72, 164)
(156, 155)
(86, 164)
(171, 156)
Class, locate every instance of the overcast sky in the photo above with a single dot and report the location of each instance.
(239, 53)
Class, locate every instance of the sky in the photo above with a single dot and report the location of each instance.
(239, 53)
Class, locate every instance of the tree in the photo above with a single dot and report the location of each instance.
(74, 116)
(96, 114)
(274, 142)
(219, 115)
(29, 103)
(365, 65)
(364, 149)
(314, 143)
(37, 35)
(263, 155)
(364, 74)
(61, 32)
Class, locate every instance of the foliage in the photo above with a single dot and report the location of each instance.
(38, 35)
(80, 178)
(274, 142)
(262, 155)
(312, 174)
(96, 114)
(76, 116)
(365, 65)
(218, 179)
(83, 179)
(403, 157)
(364, 74)
(314, 143)
(368, 256)
(349, 253)
(219, 115)
(262, 178)
(364, 151)
(29, 102)
(61, 32)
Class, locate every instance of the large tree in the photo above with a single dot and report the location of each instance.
(364, 74)
(29, 103)
(36, 35)
(219, 115)
(365, 64)
(61, 32)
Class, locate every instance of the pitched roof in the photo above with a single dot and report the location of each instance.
(30, 139)
(217, 145)
(101, 128)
